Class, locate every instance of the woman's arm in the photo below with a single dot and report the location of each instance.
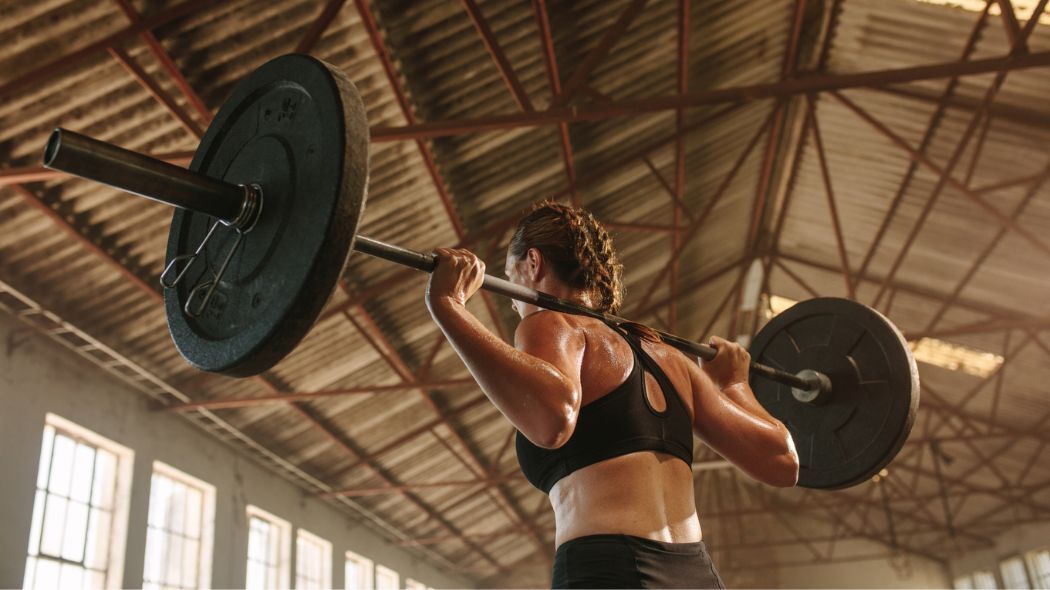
(537, 387)
(732, 422)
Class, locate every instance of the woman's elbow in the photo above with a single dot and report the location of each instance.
(784, 471)
(785, 466)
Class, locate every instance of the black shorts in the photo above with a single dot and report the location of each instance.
(624, 561)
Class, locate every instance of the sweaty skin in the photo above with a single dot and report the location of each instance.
(561, 362)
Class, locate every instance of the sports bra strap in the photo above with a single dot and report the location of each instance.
(648, 363)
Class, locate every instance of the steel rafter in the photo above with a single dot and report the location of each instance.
(825, 173)
(158, 93)
(320, 24)
(429, 161)
(582, 75)
(407, 487)
(49, 69)
(550, 61)
(227, 403)
(817, 83)
(506, 71)
(166, 62)
(679, 175)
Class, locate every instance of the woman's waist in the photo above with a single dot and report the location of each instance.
(648, 497)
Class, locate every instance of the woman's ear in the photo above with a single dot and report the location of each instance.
(534, 264)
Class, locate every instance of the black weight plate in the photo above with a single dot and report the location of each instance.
(857, 429)
(297, 128)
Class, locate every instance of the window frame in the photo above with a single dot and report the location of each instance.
(1024, 570)
(207, 534)
(382, 569)
(284, 544)
(1036, 579)
(326, 556)
(123, 471)
(369, 569)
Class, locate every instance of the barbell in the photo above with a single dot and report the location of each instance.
(267, 214)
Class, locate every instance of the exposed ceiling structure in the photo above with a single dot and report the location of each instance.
(893, 151)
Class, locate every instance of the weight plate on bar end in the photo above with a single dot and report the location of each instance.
(297, 128)
(856, 430)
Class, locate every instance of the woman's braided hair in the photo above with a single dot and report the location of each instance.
(577, 247)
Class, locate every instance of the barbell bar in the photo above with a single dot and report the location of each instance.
(232, 205)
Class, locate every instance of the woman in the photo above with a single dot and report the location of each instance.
(605, 414)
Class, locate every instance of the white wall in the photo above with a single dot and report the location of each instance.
(38, 376)
(1014, 542)
(905, 571)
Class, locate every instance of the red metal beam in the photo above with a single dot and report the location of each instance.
(942, 103)
(158, 93)
(667, 186)
(319, 26)
(49, 69)
(367, 327)
(679, 176)
(420, 430)
(409, 487)
(829, 192)
(166, 62)
(539, 9)
(506, 71)
(793, 87)
(986, 252)
(582, 74)
(946, 179)
(1013, 29)
(226, 403)
(705, 214)
(372, 27)
(377, 471)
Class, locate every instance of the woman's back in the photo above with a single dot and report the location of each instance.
(645, 493)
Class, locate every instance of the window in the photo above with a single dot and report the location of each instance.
(269, 550)
(1039, 567)
(386, 579)
(984, 580)
(179, 530)
(80, 511)
(963, 583)
(411, 584)
(1014, 574)
(313, 562)
(358, 572)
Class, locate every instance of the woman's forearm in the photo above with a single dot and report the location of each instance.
(534, 395)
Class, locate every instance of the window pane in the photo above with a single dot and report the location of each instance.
(45, 457)
(83, 469)
(54, 517)
(256, 576)
(29, 580)
(97, 551)
(194, 506)
(70, 576)
(190, 560)
(173, 576)
(963, 583)
(177, 508)
(1014, 574)
(75, 531)
(984, 580)
(105, 479)
(34, 532)
(62, 465)
(47, 574)
(96, 580)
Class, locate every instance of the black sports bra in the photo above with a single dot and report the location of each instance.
(618, 423)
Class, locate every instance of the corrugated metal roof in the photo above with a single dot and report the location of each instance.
(73, 246)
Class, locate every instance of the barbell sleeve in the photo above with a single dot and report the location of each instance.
(142, 175)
